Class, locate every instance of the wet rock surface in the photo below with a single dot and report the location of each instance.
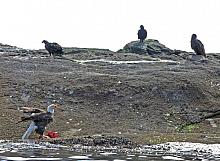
(107, 141)
(129, 99)
(169, 151)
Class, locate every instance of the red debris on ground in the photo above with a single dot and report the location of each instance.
(52, 134)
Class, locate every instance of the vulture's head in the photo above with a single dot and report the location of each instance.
(45, 41)
(194, 36)
(142, 27)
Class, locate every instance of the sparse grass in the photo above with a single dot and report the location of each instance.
(189, 128)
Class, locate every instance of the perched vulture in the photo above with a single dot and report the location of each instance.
(53, 48)
(197, 45)
(142, 34)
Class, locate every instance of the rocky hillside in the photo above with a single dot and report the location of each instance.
(139, 90)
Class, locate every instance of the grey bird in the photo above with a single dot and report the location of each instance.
(197, 45)
(53, 48)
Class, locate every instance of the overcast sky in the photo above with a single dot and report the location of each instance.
(109, 23)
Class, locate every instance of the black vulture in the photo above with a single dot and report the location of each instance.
(53, 48)
(142, 33)
(197, 45)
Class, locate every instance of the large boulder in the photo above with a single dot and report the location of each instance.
(149, 46)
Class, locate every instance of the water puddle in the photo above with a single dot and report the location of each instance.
(126, 62)
(25, 58)
(170, 151)
(114, 62)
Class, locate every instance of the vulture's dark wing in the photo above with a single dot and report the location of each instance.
(198, 47)
(142, 34)
(41, 121)
(41, 117)
(38, 117)
(201, 48)
(56, 48)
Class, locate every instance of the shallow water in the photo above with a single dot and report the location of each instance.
(161, 152)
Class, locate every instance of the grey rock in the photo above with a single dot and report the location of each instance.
(149, 46)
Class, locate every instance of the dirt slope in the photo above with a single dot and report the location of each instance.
(106, 97)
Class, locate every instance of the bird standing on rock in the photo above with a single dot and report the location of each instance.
(197, 45)
(39, 121)
(53, 48)
(142, 34)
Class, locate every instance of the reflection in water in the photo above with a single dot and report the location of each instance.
(22, 158)
(160, 152)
